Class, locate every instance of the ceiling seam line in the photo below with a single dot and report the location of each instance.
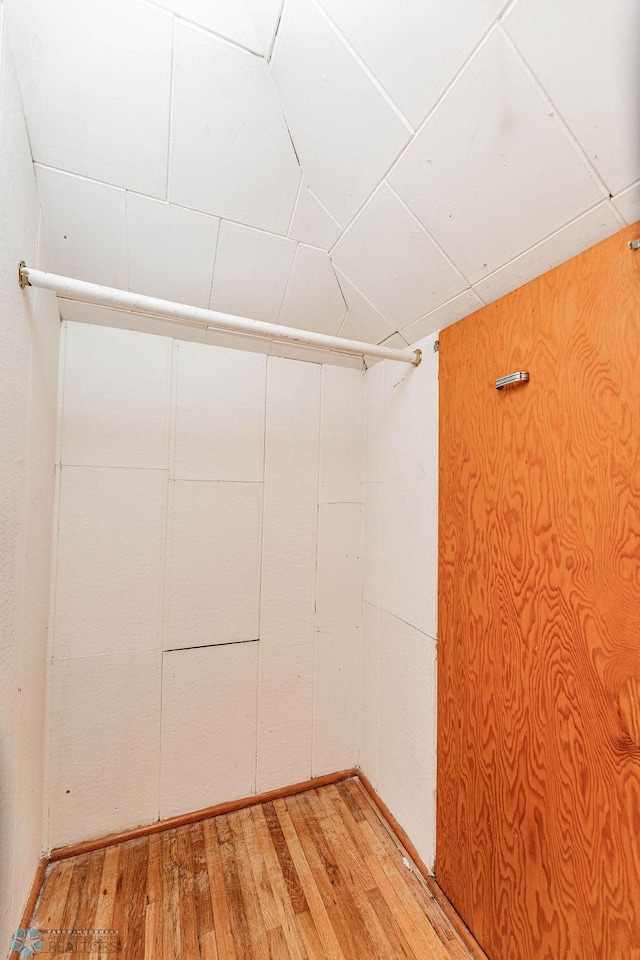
(557, 115)
(428, 233)
(206, 30)
(365, 68)
(539, 243)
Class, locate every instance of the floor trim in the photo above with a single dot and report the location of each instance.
(32, 899)
(456, 921)
(403, 839)
(88, 846)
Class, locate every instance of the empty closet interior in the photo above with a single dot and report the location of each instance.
(320, 489)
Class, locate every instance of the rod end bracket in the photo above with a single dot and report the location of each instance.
(23, 274)
(418, 359)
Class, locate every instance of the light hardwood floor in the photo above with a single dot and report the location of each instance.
(311, 877)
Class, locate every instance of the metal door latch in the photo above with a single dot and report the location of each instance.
(520, 377)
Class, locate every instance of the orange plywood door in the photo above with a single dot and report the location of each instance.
(538, 833)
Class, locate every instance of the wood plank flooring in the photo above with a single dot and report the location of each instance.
(315, 876)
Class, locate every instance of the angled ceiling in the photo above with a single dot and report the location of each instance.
(370, 168)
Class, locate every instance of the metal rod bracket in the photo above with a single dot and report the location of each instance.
(23, 274)
(418, 359)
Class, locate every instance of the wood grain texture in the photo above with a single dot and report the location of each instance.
(538, 816)
(315, 876)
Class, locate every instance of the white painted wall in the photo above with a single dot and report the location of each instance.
(206, 614)
(398, 693)
(29, 331)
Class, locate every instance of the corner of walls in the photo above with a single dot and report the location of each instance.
(29, 332)
(398, 679)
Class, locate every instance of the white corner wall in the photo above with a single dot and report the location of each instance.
(29, 332)
(398, 694)
(206, 614)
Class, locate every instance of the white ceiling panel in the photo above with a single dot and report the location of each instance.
(178, 265)
(231, 154)
(229, 18)
(583, 233)
(95, 81)
(450, 312)
(313, 299)
(492, 171)
(345, 132)
(388, 255)
(265, 15)
(251, 273)
(363, 321)
(587, 57)
(627, 204)
(413, 49)
(86, 225)
(311, 223)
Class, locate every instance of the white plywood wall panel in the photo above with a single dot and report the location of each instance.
(372, 540)
(590, 228)
(407, 730)
(374, 382)
(586, 57)
(341, 435)
(35, 604)
(104, 745)
(627, 204)
(96, 84)
(231, 154)
(392, 260)
(252, 269)
(453, 310)
(108, 570)
(93, 314)
(171, 250)
(338, 644)
(214, 563)
(413, 49)
(493, 156)
(369, 692)
(363, 321)
(41, 455)
(208, 739)
(352, 135)
(29, 330)
(288, 573)
(312, 223)
(228, 18)
(86, 225)
(313, 299)
(116, 398)
(265, 15)
(219, 416)
(409, 491)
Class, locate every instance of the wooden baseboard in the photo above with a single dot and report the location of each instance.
(456, 921)
(403, 839)
(88, 846)
(399, 833)
(32, 899)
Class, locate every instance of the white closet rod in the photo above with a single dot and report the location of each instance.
(152, 306)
